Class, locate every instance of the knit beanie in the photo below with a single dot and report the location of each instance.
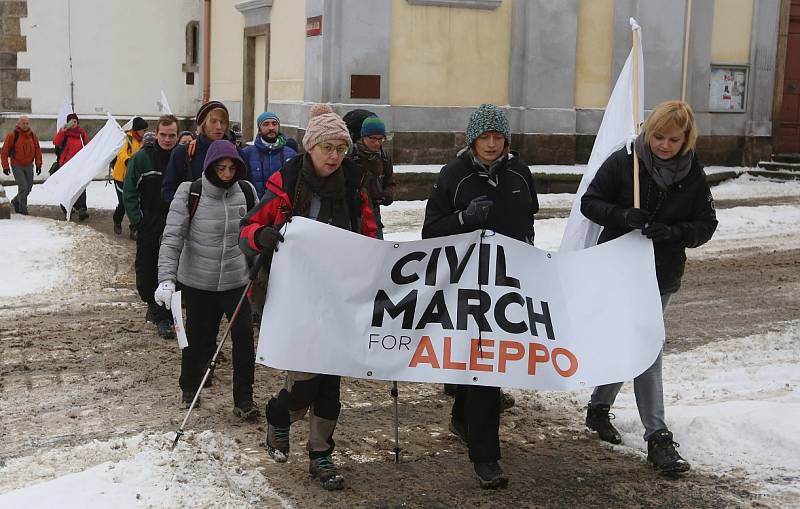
(324, 125)
(373, 126)
(267, 115)
(138, 124)
(206, 108)
(487, 117)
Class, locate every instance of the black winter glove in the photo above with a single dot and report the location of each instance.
(635, 219)
(384, 199)
(477, 211)
(268, 237)
(6, 171)
(660, 232)
(39, 170)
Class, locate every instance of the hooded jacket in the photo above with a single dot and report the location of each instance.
(686, 204)
(26, 151)
(203, 251)
(263, 161)
(73, 140)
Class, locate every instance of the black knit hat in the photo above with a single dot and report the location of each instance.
(205, 109)
(138, 124)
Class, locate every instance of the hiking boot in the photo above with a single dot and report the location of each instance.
(132, 234)
(165, 329)
(598, 418)
(506, 401)
(186, 400)
(490, 475)
(118, 228)
(325, 469)
(277, 443)
(247, 411)
(83, 214)
(663, 456)
(459, 429)
(152, 312)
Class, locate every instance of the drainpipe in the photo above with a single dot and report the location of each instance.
(686, 31)
(207, 51)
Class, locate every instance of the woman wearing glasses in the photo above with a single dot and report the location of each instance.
(372, 166)
(312, 185)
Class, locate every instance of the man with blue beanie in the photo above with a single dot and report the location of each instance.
(268, 153)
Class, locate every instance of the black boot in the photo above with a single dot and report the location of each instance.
(118, 228)
(490, 475)
(598, 419)
(152, 312)
(663, 456)
(165, 329)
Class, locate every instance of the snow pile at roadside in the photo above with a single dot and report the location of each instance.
(99, 195)
(205, 470)
(733, 406)
(31, 255)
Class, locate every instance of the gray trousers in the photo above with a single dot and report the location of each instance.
(24, 177)
(648, 388)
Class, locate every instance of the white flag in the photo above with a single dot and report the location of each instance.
(63, 111)
(163, 105)
(127, 126)
(71, 179)
(615, 131)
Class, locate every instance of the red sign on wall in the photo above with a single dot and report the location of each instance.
(313, 26)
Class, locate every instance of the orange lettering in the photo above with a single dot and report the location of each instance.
(535, 358)
(449, 364)
(424, 354)
(573, 362)
(504, 356)
(475, 354)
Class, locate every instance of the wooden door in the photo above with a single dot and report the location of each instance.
(789, 133)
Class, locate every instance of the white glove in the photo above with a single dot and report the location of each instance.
(164, 293)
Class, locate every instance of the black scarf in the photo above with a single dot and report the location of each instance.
(663, 172)
(330, 190)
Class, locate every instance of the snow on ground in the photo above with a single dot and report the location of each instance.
(733, 404)
(98, 195)
(206, 469)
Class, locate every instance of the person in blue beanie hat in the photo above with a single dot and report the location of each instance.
(268, 153)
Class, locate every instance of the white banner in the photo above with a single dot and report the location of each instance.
(63, 111)
(177, 318)
(163, 105)
(615, 130)
(71, 179)
(341, 303)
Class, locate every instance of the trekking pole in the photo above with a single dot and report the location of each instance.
(396, 425)
(212, 364)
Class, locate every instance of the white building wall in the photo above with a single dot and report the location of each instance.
(123, 55)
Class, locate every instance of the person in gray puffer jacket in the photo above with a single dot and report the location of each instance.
(201, 253)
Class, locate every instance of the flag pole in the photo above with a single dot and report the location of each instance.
(636, 120)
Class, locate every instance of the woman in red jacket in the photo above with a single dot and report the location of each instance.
(68, 141)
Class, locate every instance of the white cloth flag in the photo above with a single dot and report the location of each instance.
(71, 179)
(63, 111)
(344, 304)
(127, 126)
(616, 129)
(163, 105)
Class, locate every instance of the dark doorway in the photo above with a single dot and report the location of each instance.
(788, 139)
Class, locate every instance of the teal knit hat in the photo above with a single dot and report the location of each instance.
(487, 117)
(373, 126)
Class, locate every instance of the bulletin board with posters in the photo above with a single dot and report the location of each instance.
(728, 89)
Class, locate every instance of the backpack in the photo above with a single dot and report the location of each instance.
(353, 119)
(197, 189)
(13, 150)
(58, 149)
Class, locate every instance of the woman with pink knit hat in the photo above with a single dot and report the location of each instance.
(312, 185)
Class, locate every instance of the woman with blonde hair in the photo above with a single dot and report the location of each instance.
(677, 211)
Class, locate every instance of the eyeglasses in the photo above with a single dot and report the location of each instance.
(377, 139)
(329, 149)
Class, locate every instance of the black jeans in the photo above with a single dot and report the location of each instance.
(146, 262)
(204, 310)
(119, 212)
(478, 408)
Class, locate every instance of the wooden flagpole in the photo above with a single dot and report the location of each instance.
(636, 120)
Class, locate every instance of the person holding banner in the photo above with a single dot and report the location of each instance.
(677, 212)
(187, 161)
(199, 252)
(72, 138)
(487, 187)
(313, 185)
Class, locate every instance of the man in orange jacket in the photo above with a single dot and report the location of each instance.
(20, 151)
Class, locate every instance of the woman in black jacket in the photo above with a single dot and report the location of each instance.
(677, 211)
(485, 187)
